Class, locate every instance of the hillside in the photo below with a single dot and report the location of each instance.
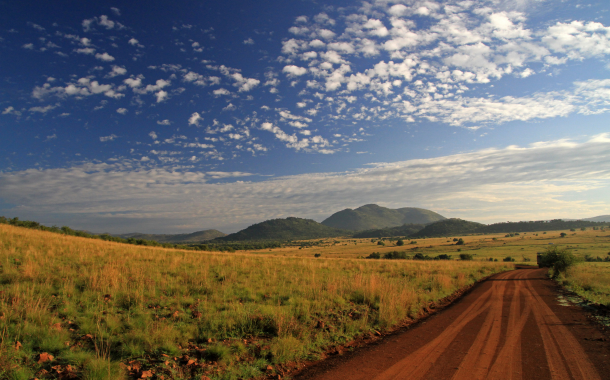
(370, 217)
(404, 230)
(194, 237)
(449, 227)
(454, 227)
(601, 218)
(285, 229)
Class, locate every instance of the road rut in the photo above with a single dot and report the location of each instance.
(508, 327)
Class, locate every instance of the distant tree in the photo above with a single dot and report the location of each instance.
(563, 234)
(400, 243)
(460, 242)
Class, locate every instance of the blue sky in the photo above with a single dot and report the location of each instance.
(180, 117)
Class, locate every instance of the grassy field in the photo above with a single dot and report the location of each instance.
(82, 308)
(591, 281)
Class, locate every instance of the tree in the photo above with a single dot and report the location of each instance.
(400, 243)
(563, 234)
(558, 259)
(460, 242)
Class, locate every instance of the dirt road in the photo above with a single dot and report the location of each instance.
(509, 327)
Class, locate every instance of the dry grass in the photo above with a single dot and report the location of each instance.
(590, 280)
(95, 304)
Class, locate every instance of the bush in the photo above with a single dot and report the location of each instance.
(558, 259)
(460, 242)
(395, 255)
(465, 256)
(374, 255)
(563, 234)
(380, 243)
(400, 243)
(317, 255)
(508, 259)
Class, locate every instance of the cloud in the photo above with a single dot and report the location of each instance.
(43, 110)
(513, 183)
(116, 71)
(249, 41)
(221, 91)
(104, 57)
(161, 96)
(10, 110)
(164, 122)
(153, 135)
(195, 118)
(116, 11)
(293, 71)
(29, 46)
(108, 138)
(88, 51)
(122, 111)
(82, 87)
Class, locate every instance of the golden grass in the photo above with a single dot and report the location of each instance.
(95, 304)
(591, 281)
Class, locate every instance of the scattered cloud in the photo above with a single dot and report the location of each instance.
(104, 57)
(108, 138)
(122, 111)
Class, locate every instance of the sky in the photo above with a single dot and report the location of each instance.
(178, 117)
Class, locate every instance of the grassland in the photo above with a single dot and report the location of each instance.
(106, 310)
(591, 281)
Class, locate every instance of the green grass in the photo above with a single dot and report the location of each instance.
(107, 309)
(591, 281)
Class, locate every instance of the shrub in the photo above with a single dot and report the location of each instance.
(558, 259)
(443, 257)
(317, 255)
(395, 255)
(374, 255)
(400, 243)
(508, 259)
(380, 243)
(460, 242)
(465, 256)
(563, 234)
(414, 242)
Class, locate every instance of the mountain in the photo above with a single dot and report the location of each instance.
(194, 237)
(369, 217)
(601, 218)
(404, 230)
(449, 227)
(285, 229)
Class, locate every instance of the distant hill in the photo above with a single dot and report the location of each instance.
(449, 227)
(285, 229)
(369, 217)
(194, 237)
(455, 227)
(404, 230)
(601, 218)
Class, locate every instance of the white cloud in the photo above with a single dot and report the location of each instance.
(164, 122)
(104, 57)
(122, 111)
(195, 118)
(89, 51)
(249, 41)
(42, 110)
(116, 71)
(153, 135)
(10, 110)
(133, 42)
(542, 181)
(221, 91)
(116, 11)
(108, 138)
(294, 71)
(29, 46)
(161, 96)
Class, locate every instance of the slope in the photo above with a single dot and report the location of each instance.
(285, 229)
(194, 237)
(372, 216)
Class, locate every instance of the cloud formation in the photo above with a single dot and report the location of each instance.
(513, 183)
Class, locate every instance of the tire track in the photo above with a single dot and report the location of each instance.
(497, 317)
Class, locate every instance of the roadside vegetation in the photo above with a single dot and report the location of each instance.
(73, 307)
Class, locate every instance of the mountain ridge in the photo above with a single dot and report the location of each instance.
(372, 216)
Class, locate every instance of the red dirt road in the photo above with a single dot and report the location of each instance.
(508, 327)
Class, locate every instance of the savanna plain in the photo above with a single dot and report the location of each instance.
(78, 308)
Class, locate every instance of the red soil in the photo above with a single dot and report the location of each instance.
(509, 327)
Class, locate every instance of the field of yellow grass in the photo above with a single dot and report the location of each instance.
(105, 310)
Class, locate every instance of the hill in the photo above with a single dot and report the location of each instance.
(601, 218)
(285, 229)
(454, 227)
(369, 217)
(449, 227)
(404, 230)
(194, 237)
